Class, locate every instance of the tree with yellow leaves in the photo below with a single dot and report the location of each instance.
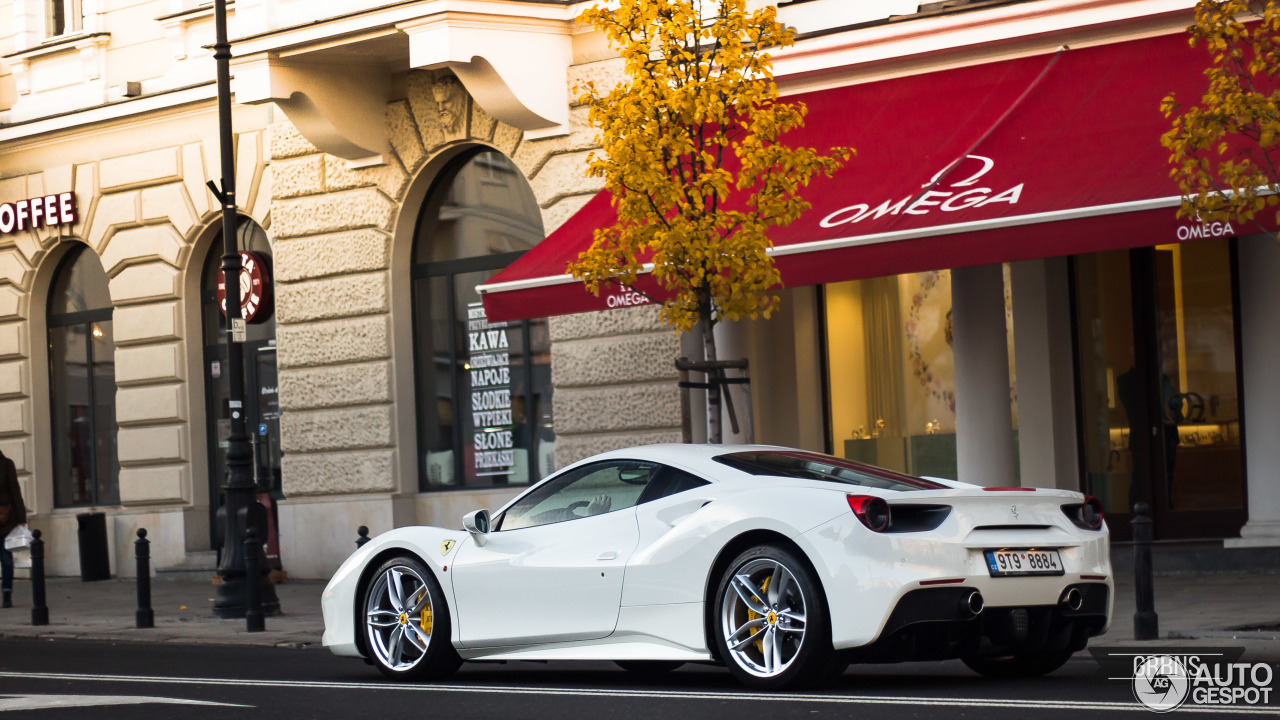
(692, 152)
(1223, 149)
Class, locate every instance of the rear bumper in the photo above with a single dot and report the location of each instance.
(866, 576)
(936, 624)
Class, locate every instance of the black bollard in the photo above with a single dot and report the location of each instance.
(363, 532)
(253, 621)
(145, 616)
(39, 611)
(1146, 624)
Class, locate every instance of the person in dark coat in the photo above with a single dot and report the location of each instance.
(13, 512)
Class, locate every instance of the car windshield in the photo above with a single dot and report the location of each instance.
(814, 466)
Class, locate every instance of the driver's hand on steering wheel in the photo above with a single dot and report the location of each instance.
(601, 504)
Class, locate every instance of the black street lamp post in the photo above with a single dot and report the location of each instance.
(242, 509)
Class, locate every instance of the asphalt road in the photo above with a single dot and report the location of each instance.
(78, 679)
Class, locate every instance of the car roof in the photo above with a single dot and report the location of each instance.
(698, 458)
(691, 452)
(701, 459)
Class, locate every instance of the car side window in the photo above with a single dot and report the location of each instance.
(670, 482)
(590, 490)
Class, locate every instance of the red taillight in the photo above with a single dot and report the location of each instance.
(1010, 489)
(1091, 512)
(871, 510)
(1087, 514)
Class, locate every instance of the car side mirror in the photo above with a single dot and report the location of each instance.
(476, 522)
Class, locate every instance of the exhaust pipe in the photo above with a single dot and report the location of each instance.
(1073, 599)
(972, 604)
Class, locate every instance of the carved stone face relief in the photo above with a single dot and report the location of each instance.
(450, 100)
(439, 103)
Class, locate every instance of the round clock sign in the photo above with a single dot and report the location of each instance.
(255, 288)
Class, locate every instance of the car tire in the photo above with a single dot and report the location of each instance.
(648, 667)
(795, 625)
(403, 636)
(1018, 666)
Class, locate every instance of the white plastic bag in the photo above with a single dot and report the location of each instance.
(22, 558)
(19, 537)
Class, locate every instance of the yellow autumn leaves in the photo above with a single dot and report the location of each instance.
(692, 152)
(1223, 150)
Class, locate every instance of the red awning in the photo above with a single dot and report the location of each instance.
(1057, 154)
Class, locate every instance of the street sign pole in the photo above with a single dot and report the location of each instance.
(242, 509)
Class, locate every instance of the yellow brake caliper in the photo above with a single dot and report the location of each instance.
(752, 614)
(426, 616)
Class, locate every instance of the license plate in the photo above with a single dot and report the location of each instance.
(1004, 563)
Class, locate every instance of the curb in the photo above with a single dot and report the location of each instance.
(1224, 635)
(229, 641)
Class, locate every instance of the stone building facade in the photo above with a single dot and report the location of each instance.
(118, 108)
(347, 117)
(343, 239)
(149, 218)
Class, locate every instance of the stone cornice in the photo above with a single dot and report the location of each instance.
(363, 21)
(918, 44)
(62, 43)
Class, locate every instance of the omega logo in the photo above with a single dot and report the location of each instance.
(1205, 230)
(626, 298)
(946, 201)
(255, 288)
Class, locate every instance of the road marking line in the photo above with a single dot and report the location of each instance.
(41, 702)
(651, 694)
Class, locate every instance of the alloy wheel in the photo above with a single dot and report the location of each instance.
(763, 617)
(398, 618)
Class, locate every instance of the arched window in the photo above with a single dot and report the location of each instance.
(484, 389)
(82, 384)
(262, 399)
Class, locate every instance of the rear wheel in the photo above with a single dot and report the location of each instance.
(406, 623)
(1018, 666)
(771, 627)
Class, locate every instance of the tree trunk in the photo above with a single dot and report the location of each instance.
(714, 435)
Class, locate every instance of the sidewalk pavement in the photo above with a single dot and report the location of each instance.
(1195, 610)
(104, 610)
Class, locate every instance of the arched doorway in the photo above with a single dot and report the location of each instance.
(483, 389)
(82, 383)
(262, 404)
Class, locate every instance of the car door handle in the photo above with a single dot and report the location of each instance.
(610, 555)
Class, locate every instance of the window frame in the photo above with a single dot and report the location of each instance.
(645, 497)
(758, 463)
(449, 270)
(573, 475)
(72, 14)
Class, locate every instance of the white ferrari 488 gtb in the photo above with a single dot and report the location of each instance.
(782, 565)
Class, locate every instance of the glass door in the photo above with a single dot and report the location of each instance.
(1160, 416)
(1200, 479)
(1109, 383)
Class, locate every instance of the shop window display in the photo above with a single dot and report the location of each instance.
(891, 371)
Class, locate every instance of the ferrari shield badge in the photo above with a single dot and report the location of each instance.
(446, 546)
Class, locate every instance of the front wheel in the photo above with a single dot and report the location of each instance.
(1018, 666)
(771, 628)
(406, 623)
